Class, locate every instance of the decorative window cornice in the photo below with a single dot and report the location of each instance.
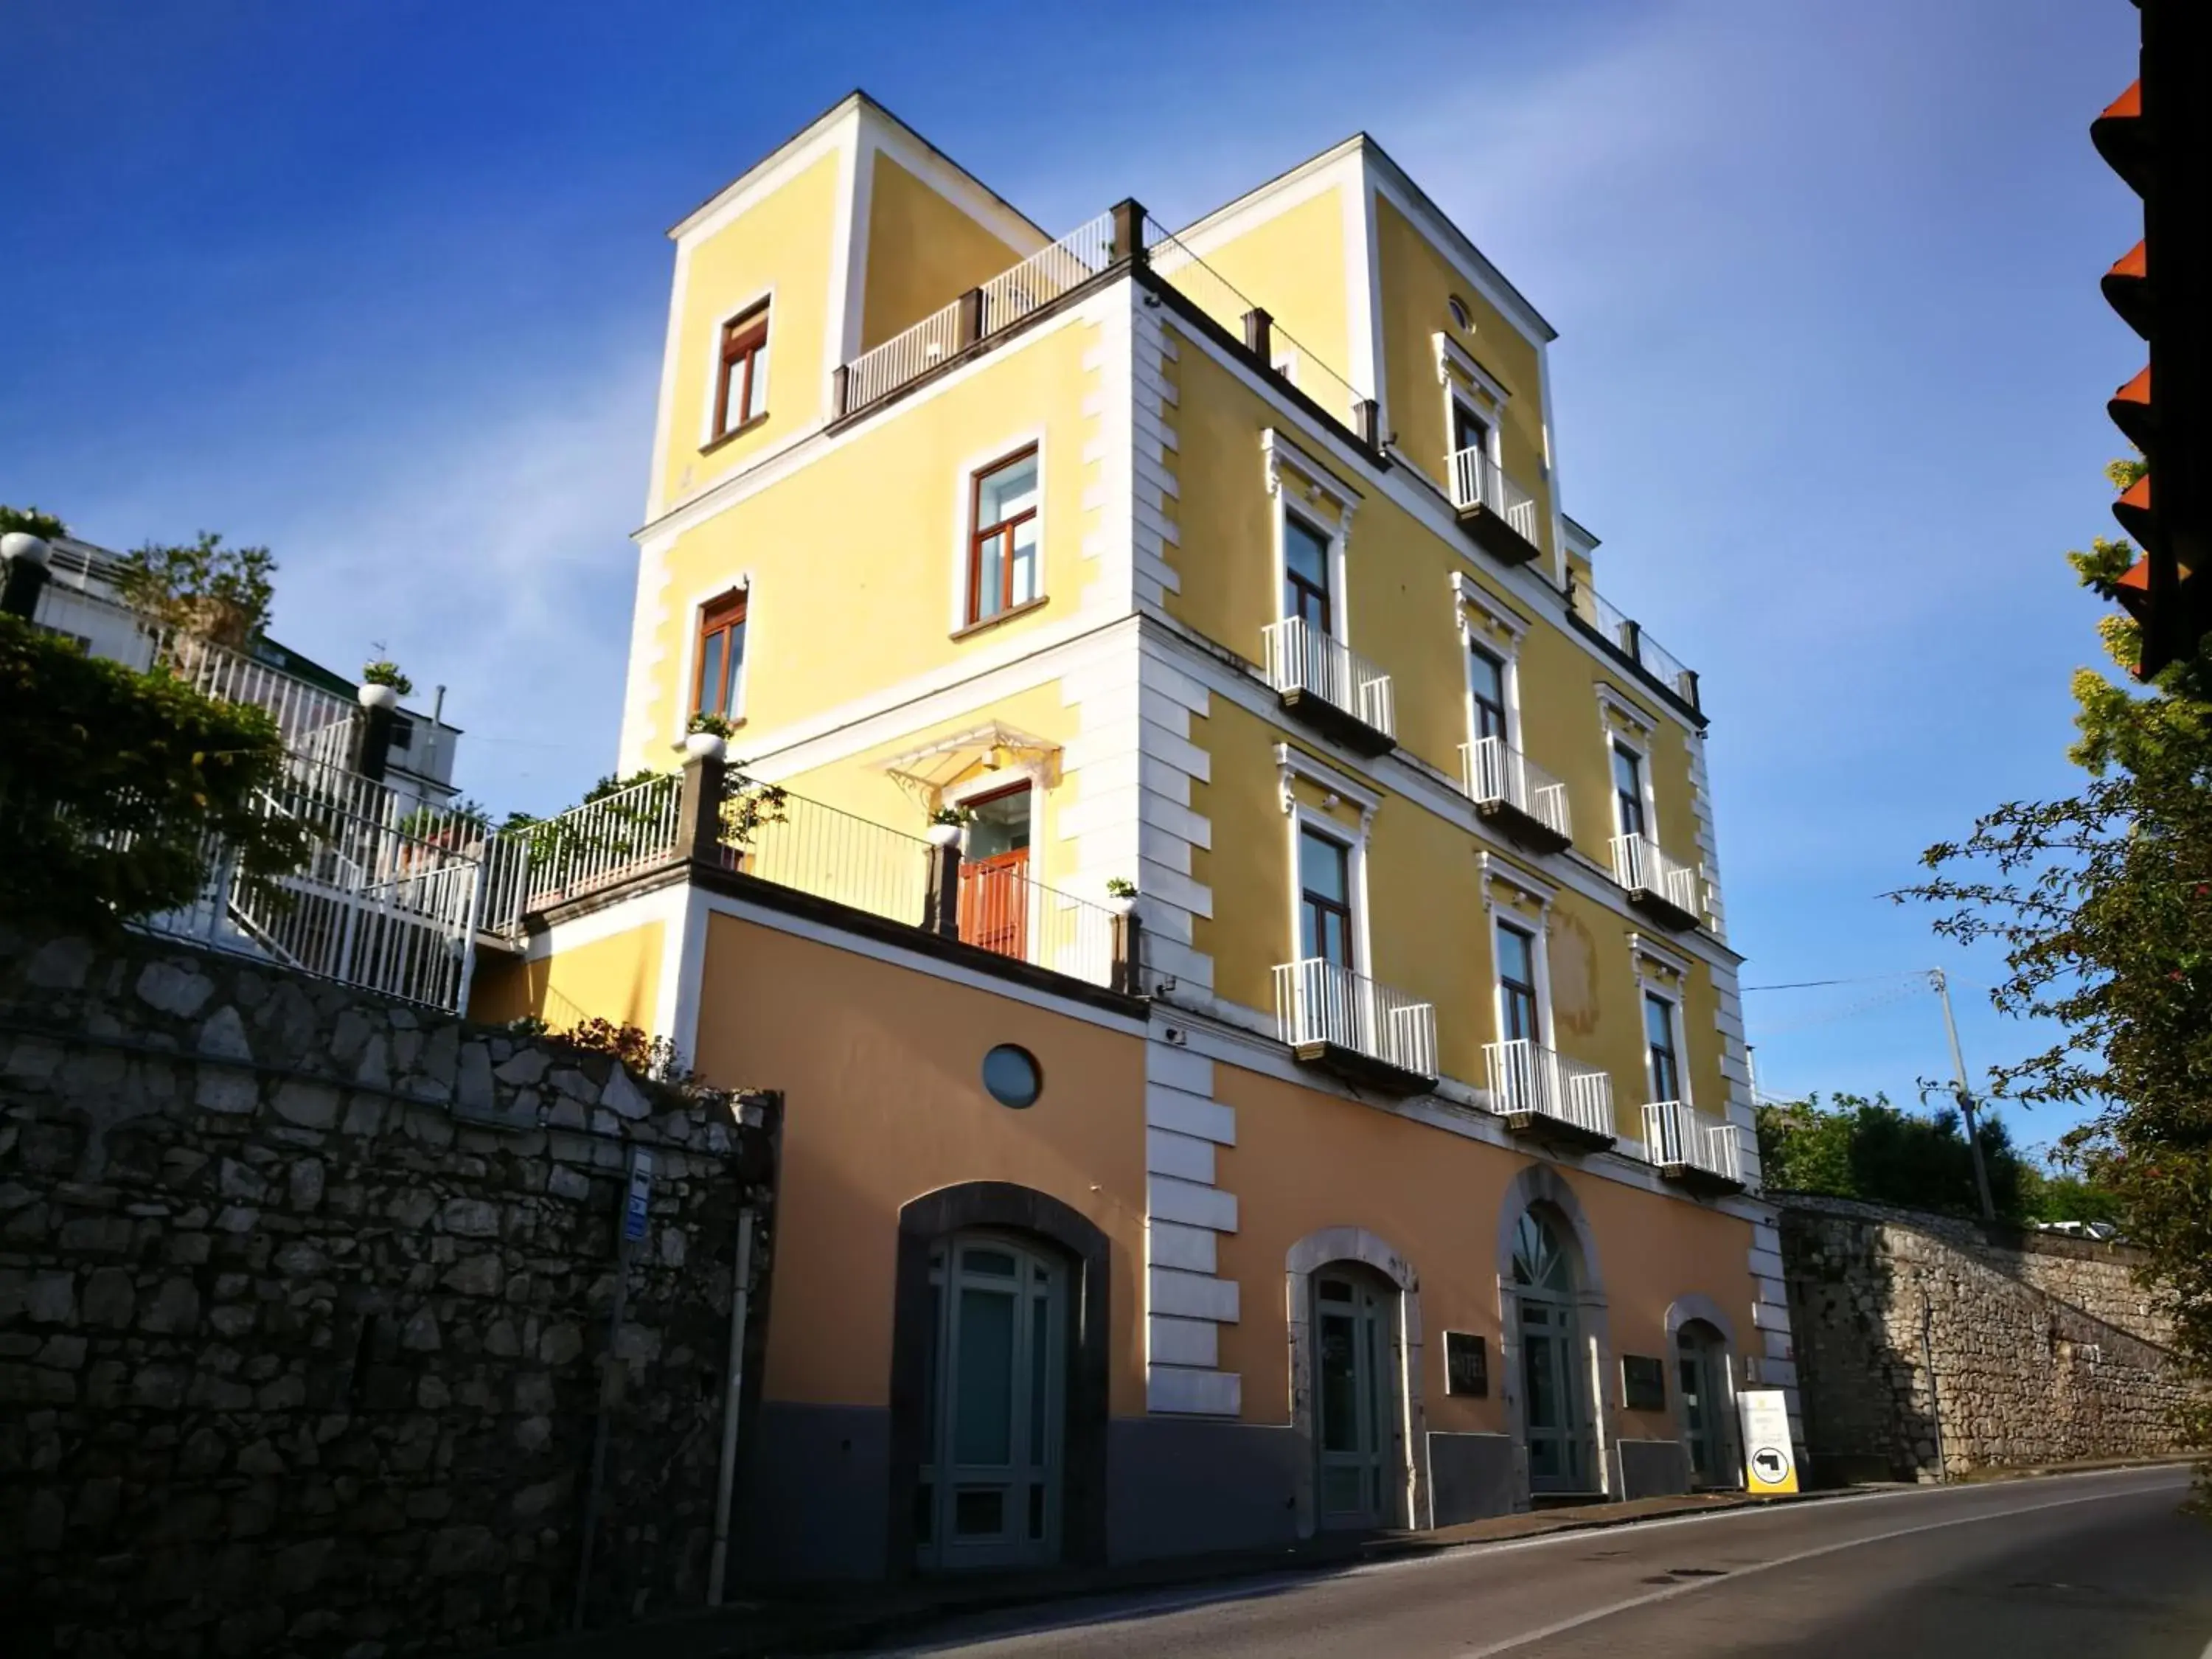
(1314, 484)
(1645, 948)
(1475, 597)
(1614, 707)
(1293, 763)
(1497, 869)
(1456, 365)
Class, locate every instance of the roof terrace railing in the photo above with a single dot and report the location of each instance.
(1626, 635)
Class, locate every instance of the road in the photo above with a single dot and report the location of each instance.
(2093, 1566)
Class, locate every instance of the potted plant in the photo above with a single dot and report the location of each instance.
(1120, 895)
(946, 823)
(706, 736)
(383, 684)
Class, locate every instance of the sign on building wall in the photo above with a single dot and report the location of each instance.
(1466, 1364)
(1642, 1383)
(1769, 1466)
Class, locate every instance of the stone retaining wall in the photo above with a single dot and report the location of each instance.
(2038, 1345)
(304, 1299)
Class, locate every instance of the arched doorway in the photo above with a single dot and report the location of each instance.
(1355, 1396)
(993, 1405)
(1354, 1307)
(999, 1382)
(1701, 1378)
(1556, 1418)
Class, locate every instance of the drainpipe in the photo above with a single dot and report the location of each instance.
(1934, 1399)
(725, 1485)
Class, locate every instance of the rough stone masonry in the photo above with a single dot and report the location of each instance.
(1927, 1345)
(304, 1299)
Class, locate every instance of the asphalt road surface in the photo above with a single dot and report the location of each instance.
(2095, 1566)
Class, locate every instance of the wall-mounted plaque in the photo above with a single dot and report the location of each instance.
(1642, 1383)
(1466, 1364)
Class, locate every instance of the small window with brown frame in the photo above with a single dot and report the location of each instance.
(718, 675)
(1002, 548)
(741, 384)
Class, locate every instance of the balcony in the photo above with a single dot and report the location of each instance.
(1629, 640)
(1548, 1097)
(1522, 800)
(1699, 1151)
(1498, 512)
(1330, 687)
(1669, 892)
(1365, 1033)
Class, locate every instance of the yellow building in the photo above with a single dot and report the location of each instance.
(1386, 1162)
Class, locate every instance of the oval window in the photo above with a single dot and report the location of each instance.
(1011, 1076)
(1460, 314)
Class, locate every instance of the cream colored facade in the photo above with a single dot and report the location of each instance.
(1233, 1129)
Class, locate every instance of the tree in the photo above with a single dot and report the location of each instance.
(204, 589)
(2102, 902)
(116, 787)
(1871, 1150)
(44, 525)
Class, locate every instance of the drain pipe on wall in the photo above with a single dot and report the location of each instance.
(726, 1486)
(1935, 1398)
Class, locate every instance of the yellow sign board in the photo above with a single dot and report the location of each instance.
(1770, 1463)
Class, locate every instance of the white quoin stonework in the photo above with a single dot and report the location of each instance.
(1186, 1301)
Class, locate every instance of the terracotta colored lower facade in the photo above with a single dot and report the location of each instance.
(1188, 1297)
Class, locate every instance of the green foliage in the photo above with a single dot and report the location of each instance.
(2064, 1197)
(219, 594)
(44, 525)
(112, 784)
(2102, 903)
(1121, 887)
(704, 721)
(1871, 1150)
(385, 671)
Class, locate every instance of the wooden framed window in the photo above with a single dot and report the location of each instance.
(1324, 899)
(1002, 548)
(1487, 677)
(1628, 789)
(1305, 574)
(1659, 1043)
(1517, 985)
(719, 663)
(741, 385)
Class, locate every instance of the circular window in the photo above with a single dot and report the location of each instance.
(1460, 314)
(1011, 1076)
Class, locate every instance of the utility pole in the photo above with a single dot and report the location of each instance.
(1965, 1096)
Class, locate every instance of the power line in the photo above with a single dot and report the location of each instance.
(1860, 979)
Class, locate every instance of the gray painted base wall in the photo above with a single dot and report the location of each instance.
(1654, 1468)
(811, 1493)
(1179, 1486)
(1471, 1476)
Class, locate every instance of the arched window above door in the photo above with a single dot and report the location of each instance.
(1539, 1262)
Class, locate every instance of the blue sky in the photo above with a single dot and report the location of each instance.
(382, 286)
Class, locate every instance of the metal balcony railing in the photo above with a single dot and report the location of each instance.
(1302, 658)
(998, 305)
(1526, 1077)
(1477, 481)
(1627, 635)
(1678, 1135)
(313, 721)
(1492, 771)
(1639, 866)
(1317, 1001)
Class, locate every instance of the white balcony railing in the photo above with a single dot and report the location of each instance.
(1317, 1001)
(1677, 1136)
(1302, 658)
(1524, 1076)
(1639, 866)
(1477, 481)
(1008, 297)
(1626, 635)
(1492, 772)
(311, 720)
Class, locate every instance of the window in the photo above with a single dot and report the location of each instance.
(1002, 553)
(1488, 675)
(1324, 899)
(741, 385)
(1305, 574)
(1659, 1039)
(1628, 789)
(718, 678)
(1011, 1076)
(1517, 985)
(1460, 316)
(1470, 430)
